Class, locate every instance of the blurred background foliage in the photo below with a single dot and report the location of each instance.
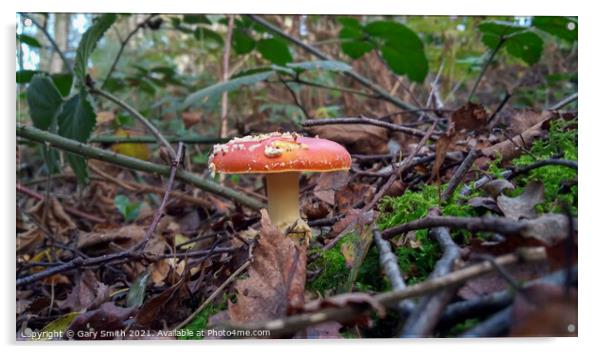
(170, 67)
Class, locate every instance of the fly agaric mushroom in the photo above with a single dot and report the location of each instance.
(281, 157)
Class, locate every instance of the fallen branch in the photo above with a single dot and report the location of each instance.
(557, 162)
(88, 151)
(147, 139)
(487, 223)
(565, 101)
(364, 120)
(293, 324)
(388, 263)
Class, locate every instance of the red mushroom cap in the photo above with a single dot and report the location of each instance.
(278, 152)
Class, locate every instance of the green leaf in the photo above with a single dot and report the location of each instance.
(29, 40)
(135, 296)
(527, 46)
(60, 325)
(396, 34)
(44, 100)
(242, 42)
(518, 41)
(25, 76)
(349, 22)
(561, 27)
(401, 49)
(192, 18)
(88, 43)
(129, 210)
(499, 28)
(203, 95)
(356, 49)
(275, 50)
(407, 62)
(76, 121)
(63, 83)
(329, 65)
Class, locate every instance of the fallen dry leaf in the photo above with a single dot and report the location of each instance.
(547, 311)
(87, 293)
(276, 280)
(496, 187)
(108, 317)
(523, 206)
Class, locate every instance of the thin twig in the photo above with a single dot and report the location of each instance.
(381, 92)
(139, 117)
(148, 139)
(159, 212)
(458, 176)
(131, 163)
(365, 120)
(557, 162)
(223, 131)
(295, 98)
(487, 63)
(399, 171)
(565, 101)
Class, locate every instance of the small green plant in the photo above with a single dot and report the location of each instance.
(200, 322)
(128, 209)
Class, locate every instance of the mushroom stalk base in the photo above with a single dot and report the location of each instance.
(283, 198)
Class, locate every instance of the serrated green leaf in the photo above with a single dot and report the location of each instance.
(275, 50)
(135, 296)
(351, 33)
(76, 121)
(203, 95)
(527, 46)
(29, 40)
(242, 42)
(559, 26)
(44, 100)
(329, 65)
(88, 43)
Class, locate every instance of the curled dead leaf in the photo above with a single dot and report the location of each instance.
(523, 206)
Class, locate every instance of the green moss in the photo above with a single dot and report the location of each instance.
(560, 143)
(201, 320)
(417, 263)
(334, 272)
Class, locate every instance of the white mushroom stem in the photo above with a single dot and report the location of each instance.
(283, 198)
